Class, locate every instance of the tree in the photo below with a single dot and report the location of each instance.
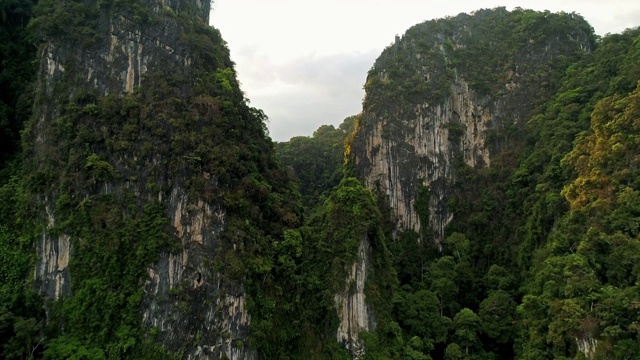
(17, 71)
(414, 350)
(454, 352)
(498, 278)
(65, 347)
(28, 337)
(419, 314)
(497, 313)
(459, 246)
(443, 284)
(317, 161)
(466, 330)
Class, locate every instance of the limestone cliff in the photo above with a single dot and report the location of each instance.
(456, 91)
(137, 108)
(354, 311)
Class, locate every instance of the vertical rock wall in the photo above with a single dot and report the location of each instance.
(195, 310)
(425, 152)
(185, 299)
(433, 102)
(353, 308)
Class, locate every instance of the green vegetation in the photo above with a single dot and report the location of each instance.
(96, 171)
(549, 222)
(540, 261)
(317, 161)
(17, 71)
(487, 49)
(310, 267)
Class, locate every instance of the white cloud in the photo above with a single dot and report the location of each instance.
(304, 62)
(310, 91)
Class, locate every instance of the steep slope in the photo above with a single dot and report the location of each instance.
(581, 291)
(456, 91)
(16, 74)
(165, 228)
(317, 160)
(537, 224)
(154, 182)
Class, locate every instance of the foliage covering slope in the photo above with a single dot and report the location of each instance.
(541, 261)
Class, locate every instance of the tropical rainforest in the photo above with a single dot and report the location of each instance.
(150, 216)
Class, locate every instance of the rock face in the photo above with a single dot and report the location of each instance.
(185, 299)
(354, 310)
(52, 268)
(451, 92)
(195, 309)
(116, 67)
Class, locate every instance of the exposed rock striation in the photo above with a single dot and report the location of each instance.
(185, 298)
(131, 100)
(354, 311)
(456, 91)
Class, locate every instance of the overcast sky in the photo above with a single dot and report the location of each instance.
(304, 62)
